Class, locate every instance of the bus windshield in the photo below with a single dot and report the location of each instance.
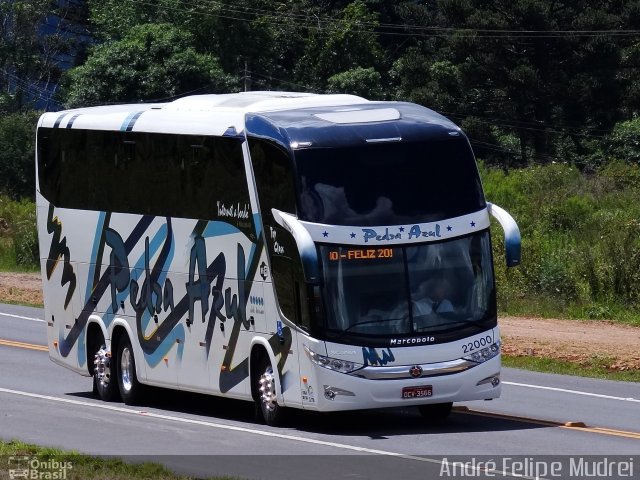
(388, 183)
(409, 290)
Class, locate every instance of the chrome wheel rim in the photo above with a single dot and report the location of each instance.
(126, 369)
(102, 370)
(267, 390)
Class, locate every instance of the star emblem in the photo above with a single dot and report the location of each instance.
(325, 234)
(353, 235)
(449, 228)
(473, 224)
(401, 229)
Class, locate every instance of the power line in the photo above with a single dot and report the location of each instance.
(332, 20)
(284, 82)
(451, 29)
(576, 131)
(502, 149)
(247, 14)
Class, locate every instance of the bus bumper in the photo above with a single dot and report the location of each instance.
(336, 391)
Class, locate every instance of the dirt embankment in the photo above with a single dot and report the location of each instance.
(573, 340)
(21, 288)
(578, 341)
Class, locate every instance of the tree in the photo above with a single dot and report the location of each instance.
(547, 72)
(38, 38)
(624, 141)
(17, 153)
(252, 38)
(338, 46)
(151, 62)
(365, 82)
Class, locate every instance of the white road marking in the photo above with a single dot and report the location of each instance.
(253, 431)
(21, 317)
(575, 392)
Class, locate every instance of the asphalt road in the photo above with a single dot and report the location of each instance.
(45, 404)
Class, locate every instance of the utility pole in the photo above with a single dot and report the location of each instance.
(247, 77)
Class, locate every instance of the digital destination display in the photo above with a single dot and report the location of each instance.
(360, 254)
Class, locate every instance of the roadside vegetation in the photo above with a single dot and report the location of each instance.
(18, 235)
(596, 367)
(580, 241)
(80, 467)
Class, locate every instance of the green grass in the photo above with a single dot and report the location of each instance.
(594, 368)
(7, 255)
(21, 304)
(547, 306)
(84, 467)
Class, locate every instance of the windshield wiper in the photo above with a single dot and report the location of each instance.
(453, 324)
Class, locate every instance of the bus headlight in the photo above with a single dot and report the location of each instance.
(485, 354)
(335, 364)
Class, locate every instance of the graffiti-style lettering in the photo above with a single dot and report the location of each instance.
(153, 296)
(118, 266)
(204, 279)
(218, 301)
(150, 287)
(198, 290)
(58, 250)
(167, 296)
(370, 357)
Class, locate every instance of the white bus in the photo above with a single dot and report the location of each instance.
(321, 252)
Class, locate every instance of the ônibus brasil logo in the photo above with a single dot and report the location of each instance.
(33, 468)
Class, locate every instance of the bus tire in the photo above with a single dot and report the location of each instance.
(436, 413)
(104, 381)
(131, 390)
(266, 399)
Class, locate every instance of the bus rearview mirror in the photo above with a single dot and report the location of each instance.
(511, 234)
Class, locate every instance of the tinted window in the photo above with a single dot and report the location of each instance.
(274, 177)
(388, 184)
(275, 187)
(185, 176)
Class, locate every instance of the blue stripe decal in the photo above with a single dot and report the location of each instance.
(131, 119)
(73, 119)
(94, 252)
(58, 120)
(258, 225)
(216, 229)
(154, 358)
(257, 221)
(82, 354)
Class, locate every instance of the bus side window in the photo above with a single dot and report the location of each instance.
(274, 183)
(274, 178)
(184, 176)
(282, 272)
(289, 290)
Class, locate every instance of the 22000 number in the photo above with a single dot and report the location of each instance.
(476, 344)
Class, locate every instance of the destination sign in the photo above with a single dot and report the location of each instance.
(360, 254)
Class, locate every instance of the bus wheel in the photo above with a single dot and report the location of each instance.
(267, 398)
(104, 383)
(130, 388)
(436, 413)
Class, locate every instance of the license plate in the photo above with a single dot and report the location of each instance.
(417, 392)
